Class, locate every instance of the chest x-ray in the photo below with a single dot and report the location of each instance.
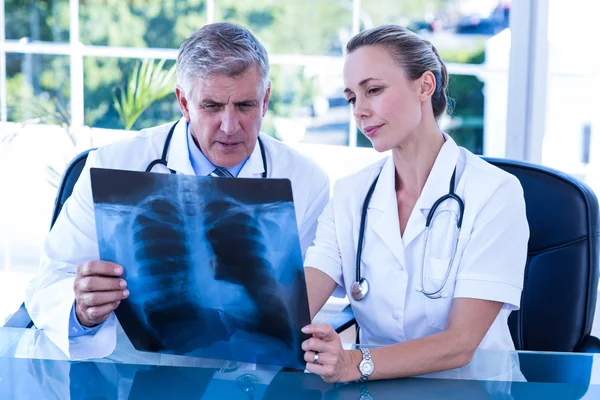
(213, 265)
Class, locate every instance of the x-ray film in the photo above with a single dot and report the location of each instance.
(213, 265)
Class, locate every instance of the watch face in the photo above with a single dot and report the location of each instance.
(366, 367)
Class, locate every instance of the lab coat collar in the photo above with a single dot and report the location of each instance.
(385, 190)
(178, 158)
(436, 186)
(438, 181)
(254, 166)
(387, 225)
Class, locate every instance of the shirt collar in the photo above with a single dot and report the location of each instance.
(200, 164)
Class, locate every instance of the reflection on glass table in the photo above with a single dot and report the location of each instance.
(32, 367)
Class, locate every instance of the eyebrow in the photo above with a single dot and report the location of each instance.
(361, 83)
(250, 102)
(237, 103)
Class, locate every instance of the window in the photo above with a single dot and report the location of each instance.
(137, 23)
(305, 41)
(33, 21)
(37, 88)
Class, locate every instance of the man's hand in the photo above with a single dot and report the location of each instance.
(98, 291)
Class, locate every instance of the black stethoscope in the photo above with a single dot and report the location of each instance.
(163, 158)
(360, 288)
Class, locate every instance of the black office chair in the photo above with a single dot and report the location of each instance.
(561, 274)
(21, 318)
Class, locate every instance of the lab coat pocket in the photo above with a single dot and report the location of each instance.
(436, 272)
(438, 309)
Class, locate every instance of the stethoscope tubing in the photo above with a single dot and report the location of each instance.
(163, 158)
(451, 195)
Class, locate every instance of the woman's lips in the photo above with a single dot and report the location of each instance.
(372, 130)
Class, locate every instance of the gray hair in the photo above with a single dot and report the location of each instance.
(220, 49)
(413, 53)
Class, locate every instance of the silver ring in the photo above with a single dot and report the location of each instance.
(316, 358)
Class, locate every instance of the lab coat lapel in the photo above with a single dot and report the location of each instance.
(254, 166)
(436, 186)
(384, 209)
(178, 158)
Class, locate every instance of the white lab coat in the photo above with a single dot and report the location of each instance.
(73, 241)
(489, 263)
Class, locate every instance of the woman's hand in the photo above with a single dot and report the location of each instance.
(334, 364)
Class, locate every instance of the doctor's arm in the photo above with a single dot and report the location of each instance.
(51, 296)
(319, 287)
(454, 347)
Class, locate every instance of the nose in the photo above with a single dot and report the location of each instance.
(361, 109)
(230, 123)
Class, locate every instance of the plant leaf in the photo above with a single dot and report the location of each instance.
(148, 83)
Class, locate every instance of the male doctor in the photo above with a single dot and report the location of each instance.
(223, 92)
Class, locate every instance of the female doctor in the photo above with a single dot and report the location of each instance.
(428, 244)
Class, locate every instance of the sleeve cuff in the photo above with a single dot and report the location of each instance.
(484, 289)
(327, 265)
(76, 329)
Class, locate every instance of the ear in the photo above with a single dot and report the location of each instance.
(427, 86)
(266, 99)
(183, 103)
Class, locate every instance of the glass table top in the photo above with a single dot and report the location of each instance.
(31, 367)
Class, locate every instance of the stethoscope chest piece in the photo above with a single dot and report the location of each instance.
(360, 289)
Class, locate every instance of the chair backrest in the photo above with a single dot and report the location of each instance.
(21, 318)
(561, 275)
(70, 177)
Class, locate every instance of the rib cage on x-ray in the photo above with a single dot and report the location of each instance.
(166, 272)
(159, 245)
(162, 251)
(241, 257)
(159, 234)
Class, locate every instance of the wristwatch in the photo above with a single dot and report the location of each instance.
(366, 366)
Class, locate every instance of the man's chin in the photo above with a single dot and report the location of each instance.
(229, 157)
(229, 163)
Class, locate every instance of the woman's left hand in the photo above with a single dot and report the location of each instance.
(333, 364)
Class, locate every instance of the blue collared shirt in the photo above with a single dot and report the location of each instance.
(202, 167)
